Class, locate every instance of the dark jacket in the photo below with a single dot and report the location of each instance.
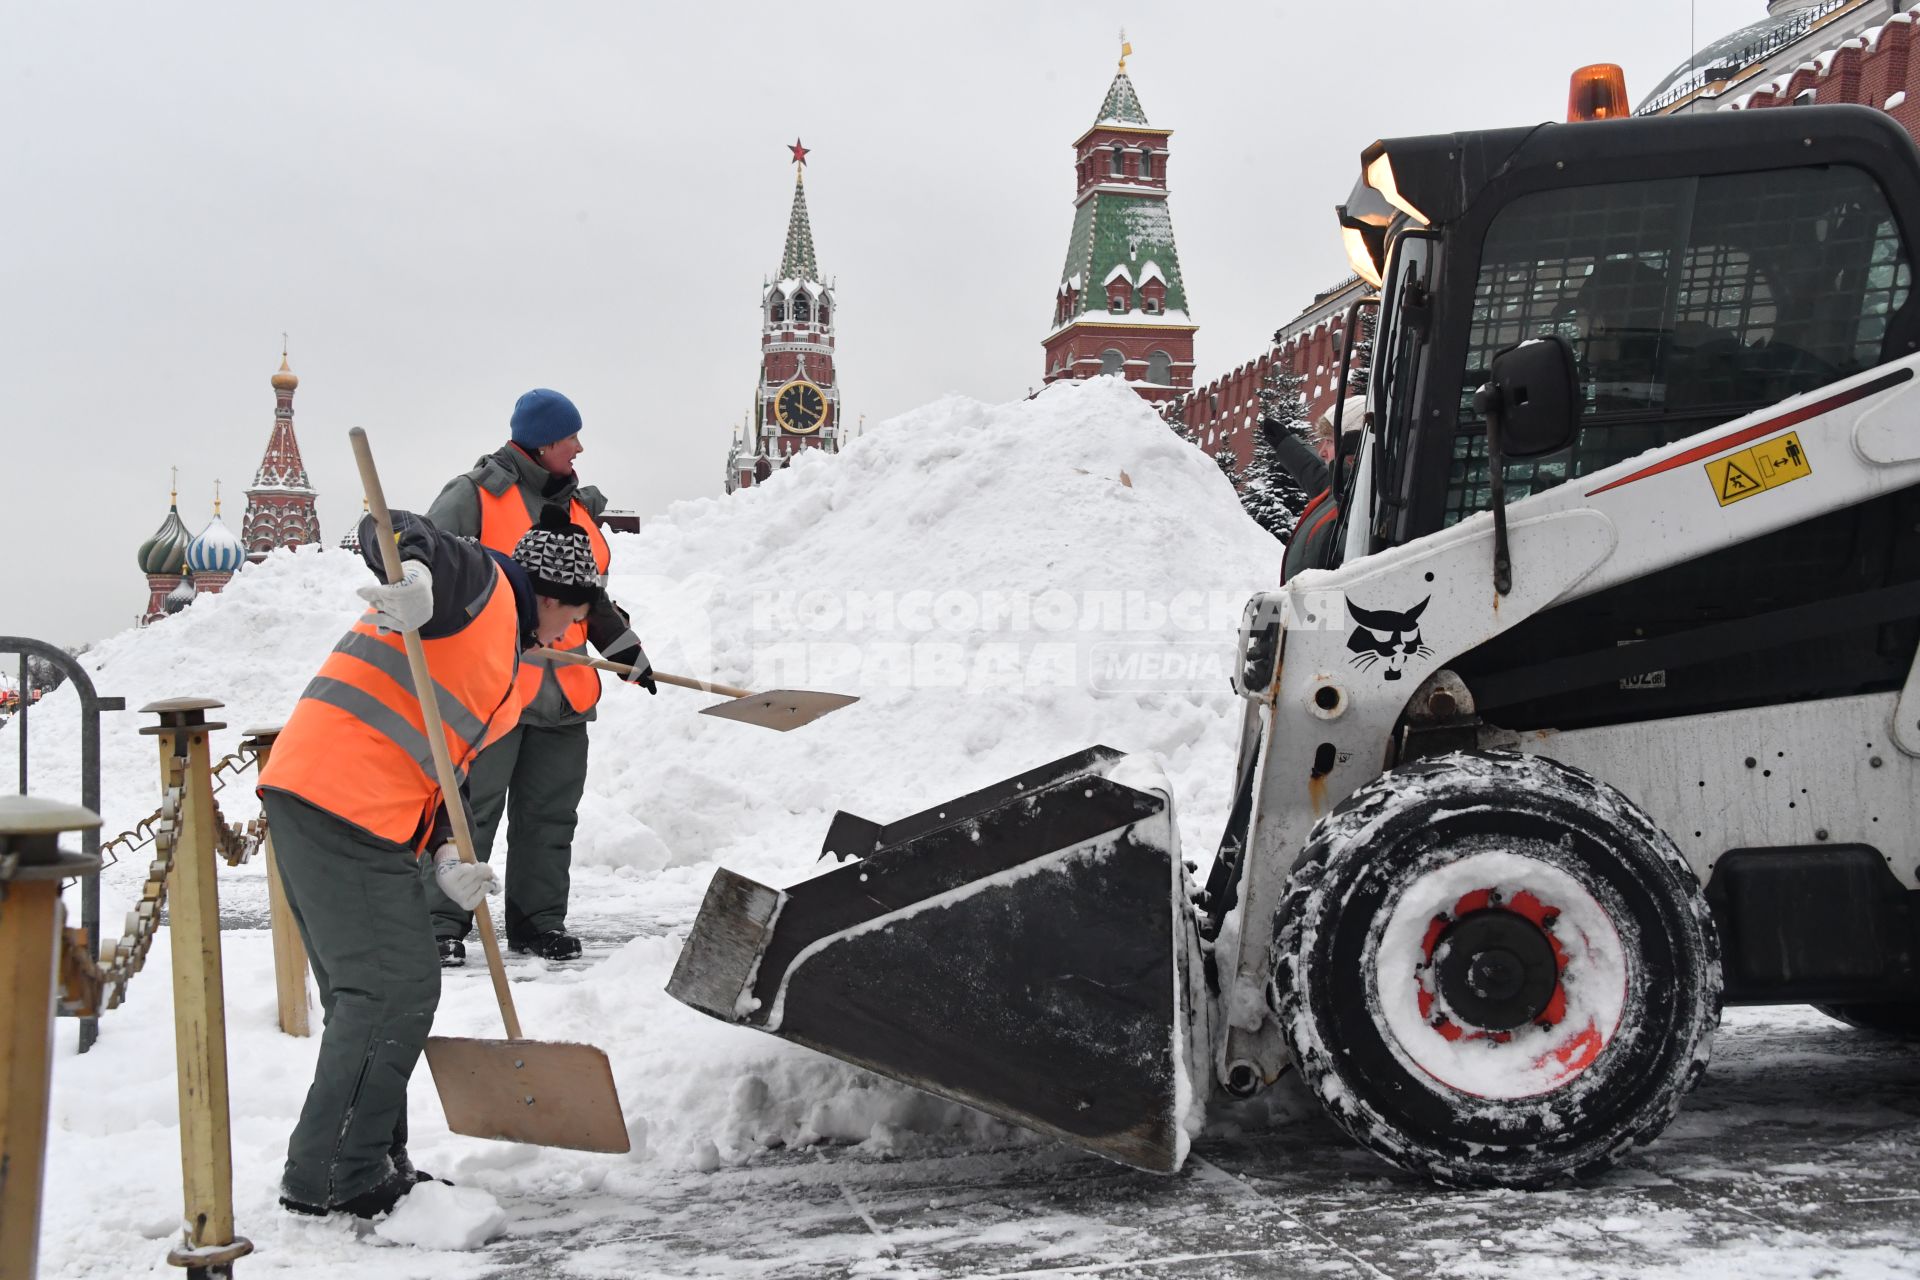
(457, 511)
(1298, 457)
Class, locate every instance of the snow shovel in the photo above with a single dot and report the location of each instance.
(777, 709)
(515, 1090)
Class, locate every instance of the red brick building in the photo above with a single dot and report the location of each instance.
(1800, 52)
(1223, 413)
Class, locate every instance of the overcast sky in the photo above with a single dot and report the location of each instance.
(445, 204)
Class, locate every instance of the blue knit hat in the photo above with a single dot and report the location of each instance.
(542, 417)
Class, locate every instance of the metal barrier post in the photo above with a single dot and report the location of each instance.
(91, 705)
(31, 915)
(289, 952)
(199, 1000)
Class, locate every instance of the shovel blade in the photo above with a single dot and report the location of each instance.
(533, 1091)
(780, 709)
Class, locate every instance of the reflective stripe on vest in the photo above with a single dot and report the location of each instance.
(504, 520)
(356, 744)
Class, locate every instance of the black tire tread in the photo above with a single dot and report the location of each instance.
(1296, 913)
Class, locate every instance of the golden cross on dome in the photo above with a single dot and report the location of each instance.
(173, 485)
(216, 499)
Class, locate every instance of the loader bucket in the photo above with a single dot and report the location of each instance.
(1026, 949)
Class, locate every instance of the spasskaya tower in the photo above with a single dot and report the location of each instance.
(797, 400)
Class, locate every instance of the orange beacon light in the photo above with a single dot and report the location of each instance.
(1598, 92)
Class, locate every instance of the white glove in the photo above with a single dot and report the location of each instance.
(467, 883)
(405, 605)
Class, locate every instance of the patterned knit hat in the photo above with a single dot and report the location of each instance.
(559, 559)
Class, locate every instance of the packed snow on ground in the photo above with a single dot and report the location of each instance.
(1000, 585)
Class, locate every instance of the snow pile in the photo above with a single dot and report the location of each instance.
(437, 1216)
(1000, 585)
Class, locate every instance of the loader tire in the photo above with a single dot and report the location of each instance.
(1496, 971)
(1897, 1018)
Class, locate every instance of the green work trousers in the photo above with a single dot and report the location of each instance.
(535, 776)
(358, 902)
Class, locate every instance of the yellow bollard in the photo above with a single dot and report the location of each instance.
(289, 952)
(199, 997)
(31, 869)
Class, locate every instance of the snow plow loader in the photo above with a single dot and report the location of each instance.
(1600, 708)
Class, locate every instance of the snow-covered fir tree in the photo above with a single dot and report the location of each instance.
(1267, 490)
(1360, 368)
(1228, 461)
(1173, 412)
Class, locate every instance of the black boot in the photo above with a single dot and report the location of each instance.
(379, 1198)
(371, 1203)
(554, 944)
(453, 953)
(402, 1162)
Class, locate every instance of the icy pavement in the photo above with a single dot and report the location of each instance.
(1799, 1156)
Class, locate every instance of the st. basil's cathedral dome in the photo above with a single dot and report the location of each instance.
(166, 550)
(215, 549)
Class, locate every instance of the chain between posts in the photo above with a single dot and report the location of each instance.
(237, 843)
(126, 955)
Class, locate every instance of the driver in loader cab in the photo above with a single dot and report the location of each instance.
(352, 801)
(1308, 465)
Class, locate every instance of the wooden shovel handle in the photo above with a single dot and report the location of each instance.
(436, 736)
(684, 682)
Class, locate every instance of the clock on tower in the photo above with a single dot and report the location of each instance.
(800, 407)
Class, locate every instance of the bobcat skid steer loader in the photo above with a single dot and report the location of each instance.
(1604, 709)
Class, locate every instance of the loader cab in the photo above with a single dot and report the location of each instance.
(1698, 268)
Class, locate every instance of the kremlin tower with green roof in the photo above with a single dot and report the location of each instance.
(1121, 304)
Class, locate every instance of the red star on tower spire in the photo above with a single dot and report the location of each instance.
(799, 153)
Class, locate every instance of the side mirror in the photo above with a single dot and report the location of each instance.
(1532, 406)
(1531, 399)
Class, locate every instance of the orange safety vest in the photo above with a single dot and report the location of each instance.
(504, 520)
(356, 744)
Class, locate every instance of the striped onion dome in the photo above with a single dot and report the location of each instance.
(350, 540)
(215, 549)
(167, 548)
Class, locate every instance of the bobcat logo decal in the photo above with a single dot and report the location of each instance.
(1382, 633)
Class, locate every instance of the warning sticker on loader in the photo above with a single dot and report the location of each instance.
(1767, 465)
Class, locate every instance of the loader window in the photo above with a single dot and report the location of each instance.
(1688, 301)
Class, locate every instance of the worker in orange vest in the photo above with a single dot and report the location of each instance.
(352, 800)
(536, 774)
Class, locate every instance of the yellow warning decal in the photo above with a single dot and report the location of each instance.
(1767, 465)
